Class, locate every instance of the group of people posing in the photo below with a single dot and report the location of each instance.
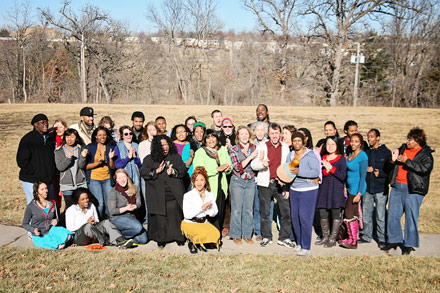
(197, 184)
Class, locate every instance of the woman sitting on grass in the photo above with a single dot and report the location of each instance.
(198, 204)
(41, 219)
(123, 201)
(83, 219)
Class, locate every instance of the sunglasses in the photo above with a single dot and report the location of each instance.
(228, 126)
(128, 133)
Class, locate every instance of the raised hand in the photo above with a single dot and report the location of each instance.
(395, 155)
(111, 154)
(327, 165)
(254, 154)
(170, 169)
(160, 168)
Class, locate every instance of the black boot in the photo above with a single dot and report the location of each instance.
(192, 248)
(334, 235)
(390, 246)
(407, 250)
(325, 232)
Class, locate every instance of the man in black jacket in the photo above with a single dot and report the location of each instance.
(35, 157)
(379, 157)
(138, 120)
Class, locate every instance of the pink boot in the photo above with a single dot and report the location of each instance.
(350, 237)
(354, 230)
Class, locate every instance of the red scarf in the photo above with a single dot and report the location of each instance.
(58, 140)
(123, 191)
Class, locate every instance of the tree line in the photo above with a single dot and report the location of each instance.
(85, 55)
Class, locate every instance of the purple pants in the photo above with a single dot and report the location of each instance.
(302, 210)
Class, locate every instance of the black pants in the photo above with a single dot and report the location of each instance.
(166, 228)
(218, 219)
(266, 194)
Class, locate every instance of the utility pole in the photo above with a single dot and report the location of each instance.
(356, 59)
(356, 76)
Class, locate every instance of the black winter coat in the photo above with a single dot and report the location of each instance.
(35, 158)
(155, 183)
(378, 159)
(419, 170)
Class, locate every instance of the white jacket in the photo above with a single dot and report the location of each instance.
(263, 177)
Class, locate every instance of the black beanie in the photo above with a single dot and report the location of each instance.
(39, 117)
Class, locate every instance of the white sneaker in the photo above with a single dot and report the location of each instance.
(303, 252)
(266, 242)
(287, 243)
(297, 248)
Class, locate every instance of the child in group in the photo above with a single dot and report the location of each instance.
(198, 204)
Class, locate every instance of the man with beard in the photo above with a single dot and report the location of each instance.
(85, 126)
(35, 157)
(138, 119)
(262, 115)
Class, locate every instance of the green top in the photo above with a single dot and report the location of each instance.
(210, 164)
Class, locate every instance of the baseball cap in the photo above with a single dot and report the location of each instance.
(86, 111)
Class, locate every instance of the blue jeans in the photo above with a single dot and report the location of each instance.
(131, 228)
(257, 217)
(302, 206)
(242, 200)
(28, 188)
(100, 190)
(368, 208)
(401, 201)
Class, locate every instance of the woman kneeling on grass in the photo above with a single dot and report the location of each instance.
(41, 219)
(123, 201)
(198, 204)
(82, 219)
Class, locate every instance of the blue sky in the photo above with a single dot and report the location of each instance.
(231, 12)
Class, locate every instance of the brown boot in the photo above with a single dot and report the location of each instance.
(335, 231)
(325, 232)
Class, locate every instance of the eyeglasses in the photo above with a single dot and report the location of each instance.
(128, 133)
(228, 126)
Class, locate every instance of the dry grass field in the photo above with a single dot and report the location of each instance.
(37, 270)
(393, 124)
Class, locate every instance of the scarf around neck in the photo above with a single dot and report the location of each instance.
(86, 129)
(123, 191)
(212, 153)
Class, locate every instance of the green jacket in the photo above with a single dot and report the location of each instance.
(202, 159)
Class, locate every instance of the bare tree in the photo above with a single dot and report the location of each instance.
(205, 24)
(80, 27)
(170, 19)
(413, 45)
(20, 19)
(341, 16)
(276, 19)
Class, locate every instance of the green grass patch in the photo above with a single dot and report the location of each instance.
(37, 270)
